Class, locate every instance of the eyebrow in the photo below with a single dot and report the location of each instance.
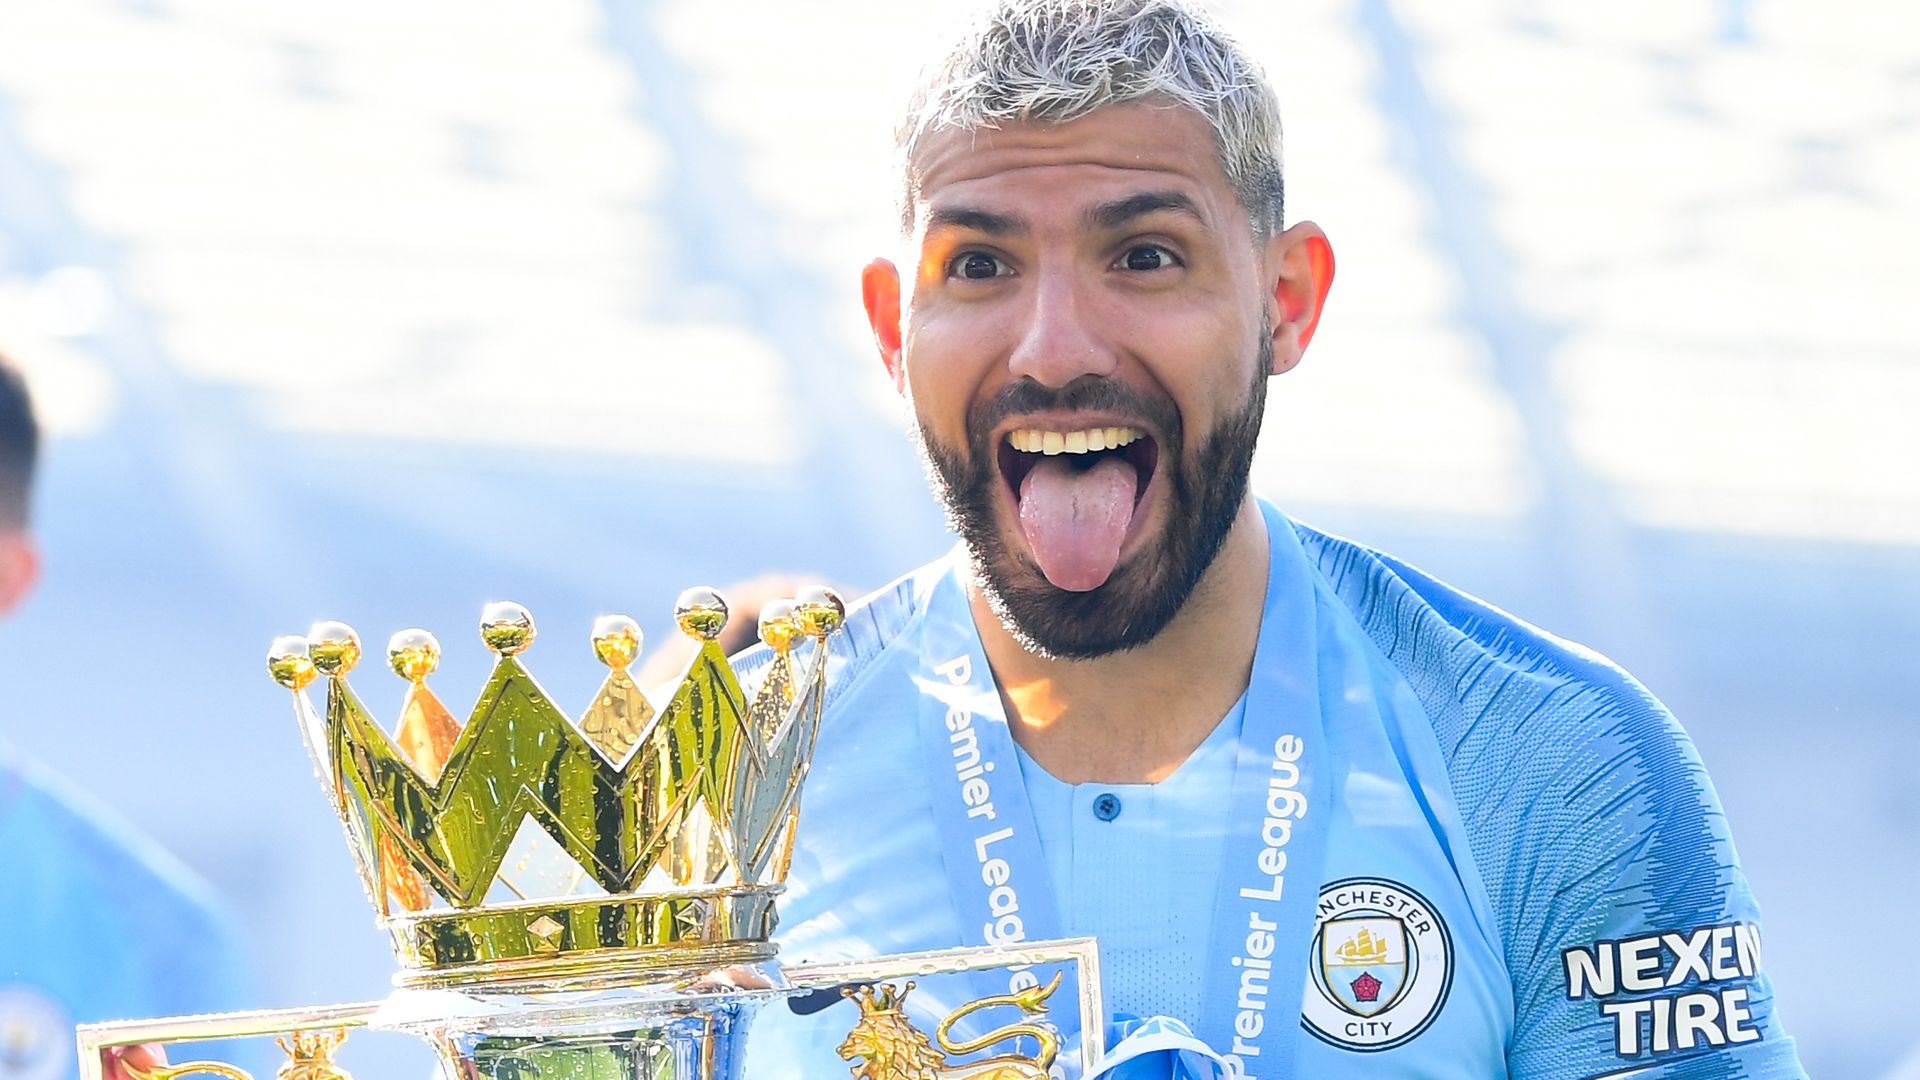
(1106, 216)
(1112, 215)
(986, 221)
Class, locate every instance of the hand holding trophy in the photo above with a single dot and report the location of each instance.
(594, 898)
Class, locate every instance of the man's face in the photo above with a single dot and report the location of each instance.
(1086, 349)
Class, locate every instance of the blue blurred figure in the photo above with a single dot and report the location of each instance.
(96, 921)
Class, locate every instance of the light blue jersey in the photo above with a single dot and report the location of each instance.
(1521, 868)
(1137, 865)
(96, 923)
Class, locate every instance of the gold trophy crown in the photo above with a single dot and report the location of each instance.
(525, 846)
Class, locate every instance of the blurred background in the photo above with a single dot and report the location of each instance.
(380, 311)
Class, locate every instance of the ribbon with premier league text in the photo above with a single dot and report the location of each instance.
(1264, 916)
(988, 844)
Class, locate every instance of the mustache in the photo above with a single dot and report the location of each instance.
(1088, 393)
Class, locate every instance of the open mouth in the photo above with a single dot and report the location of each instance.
(1024, 448)
(1077, 492)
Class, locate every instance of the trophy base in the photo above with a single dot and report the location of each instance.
(666, 1030)
(697, 1045)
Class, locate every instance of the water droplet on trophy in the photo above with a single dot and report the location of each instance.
(414, 653)
(616, 641)
(506, 627)
(819, 611)
(334, 647)
(778, 627)
(289, 662)
(701, 612)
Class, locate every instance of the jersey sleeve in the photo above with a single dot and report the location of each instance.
(1630, 937)
(1640, 950)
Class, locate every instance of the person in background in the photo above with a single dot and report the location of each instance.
(97, 922)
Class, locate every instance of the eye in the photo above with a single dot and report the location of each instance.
(977, 266)
(1148, 257)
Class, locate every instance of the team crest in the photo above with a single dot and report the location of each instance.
(1382, 964)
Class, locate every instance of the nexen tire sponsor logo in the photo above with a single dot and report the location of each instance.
(1708, 957)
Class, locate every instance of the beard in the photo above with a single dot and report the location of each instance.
(1203, 491)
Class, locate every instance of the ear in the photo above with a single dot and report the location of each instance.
(880, 289)
(1300, 262)
(19, 568)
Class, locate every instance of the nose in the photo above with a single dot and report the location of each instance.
(1059, 342)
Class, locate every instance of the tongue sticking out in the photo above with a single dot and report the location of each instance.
(1076, 519)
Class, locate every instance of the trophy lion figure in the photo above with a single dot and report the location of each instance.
(891, 1048)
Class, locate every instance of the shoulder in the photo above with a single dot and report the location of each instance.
(1565, 769)
(875, 631)
(1487, 678)
(864, 815)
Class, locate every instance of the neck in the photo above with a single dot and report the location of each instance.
(1134, 716)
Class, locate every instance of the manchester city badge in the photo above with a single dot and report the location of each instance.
(1382, 963)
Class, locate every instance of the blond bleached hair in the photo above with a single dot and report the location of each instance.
(1054, 61)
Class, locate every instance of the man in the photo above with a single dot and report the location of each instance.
(96, 922)
(1330, 815)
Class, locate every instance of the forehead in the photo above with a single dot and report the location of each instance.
(1027, 167)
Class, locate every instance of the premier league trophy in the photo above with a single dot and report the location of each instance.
(595, 900)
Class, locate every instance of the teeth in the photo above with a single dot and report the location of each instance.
(1036, 441)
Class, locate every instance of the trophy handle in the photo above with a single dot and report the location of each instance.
(309, 1057)
(316, 1033)
(846, 977)
(187, 1068)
